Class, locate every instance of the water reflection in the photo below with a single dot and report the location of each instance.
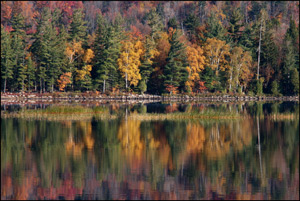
(125, 158)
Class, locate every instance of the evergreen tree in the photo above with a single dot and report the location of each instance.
(235, 23)
(173, 23)
(191, 23)
(6, 58)
(40, 47)
(150, 52)
(30, 73)
(174, 73)
(214, 28)
(48, 49)
(247, 40)
(107, 50)
(288, 65)
(102, 37)
(18, 45)
(295, 81)
(154, 21)
(275, 88)
(292, 34)
(78, 28)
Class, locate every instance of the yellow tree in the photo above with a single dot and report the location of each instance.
(73, 51)
(64, 80)
(240, 68)
(129, 61)
(87, 58)
(196, 60)
(216, 52)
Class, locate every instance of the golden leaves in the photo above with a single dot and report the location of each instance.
(196, 60)
(72, 49)
(240, 63)
(82, 73)
(64, 80)
(88, 56)
(216, 51)
(129, 61)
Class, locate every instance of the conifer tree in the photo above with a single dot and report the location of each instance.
(6, 58)
(295, 81)
(18, 45)
(30, 73)
(174, 73)
(107, 50)
(154, 21)
(235, 23)
(77, 28)
(215, 28)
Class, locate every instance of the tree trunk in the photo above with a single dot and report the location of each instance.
(5, 85)
(230, 80)
(104, 86)
(44, 86)
(259, 44)
(126, 80)
(41, 87)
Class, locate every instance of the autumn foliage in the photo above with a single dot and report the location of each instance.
(64, 80)
(144, 47)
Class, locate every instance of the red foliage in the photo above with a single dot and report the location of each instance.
(172, 89)
(135, 33)
(6, 11)
(200, 86)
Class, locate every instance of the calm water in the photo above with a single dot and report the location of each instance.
(254, 157)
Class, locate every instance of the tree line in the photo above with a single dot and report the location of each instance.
(185, 47)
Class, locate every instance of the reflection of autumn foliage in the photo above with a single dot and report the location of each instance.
(195, 137)
(129, 135)
(85, 128)
(74, 148)
(243, 134)
(173, 107)
(152, 155)
(221, 138)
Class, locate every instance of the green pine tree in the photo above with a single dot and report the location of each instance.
(214, 28)
(288, 65)
(6, 58)
(235, 23)
(153, 19)
(30, 73)
(295, 81)
(18, 45)
(107, 50)
(174, 73)
(78, 28)
(191, 23)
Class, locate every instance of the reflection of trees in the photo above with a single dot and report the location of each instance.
(130, 138)
(182, 159)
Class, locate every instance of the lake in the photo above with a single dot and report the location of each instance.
(150, 151)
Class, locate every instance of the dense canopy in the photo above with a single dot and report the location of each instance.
(155, 47)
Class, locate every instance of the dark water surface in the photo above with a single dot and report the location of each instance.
(255, 156)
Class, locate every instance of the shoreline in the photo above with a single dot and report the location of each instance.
(90, 97)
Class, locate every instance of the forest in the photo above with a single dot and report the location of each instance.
(153, 47)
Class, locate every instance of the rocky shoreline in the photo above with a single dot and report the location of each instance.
(49, 97)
